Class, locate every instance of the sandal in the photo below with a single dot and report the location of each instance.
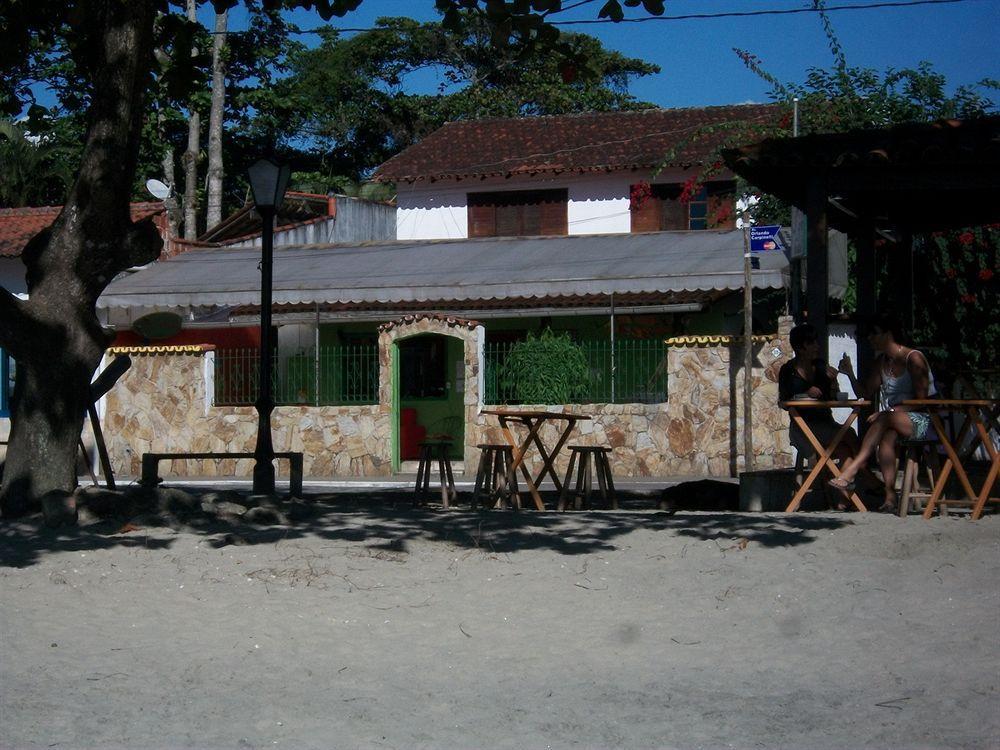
(889, 506)
(841, 484)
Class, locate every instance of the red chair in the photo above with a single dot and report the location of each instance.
(411, 434)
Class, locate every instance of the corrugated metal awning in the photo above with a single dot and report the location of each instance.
(428, 271)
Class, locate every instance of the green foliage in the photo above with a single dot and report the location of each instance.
(345, 97)
(549, 369)
(343, 110)
(957, 291)
(35, 172)
(954, 272)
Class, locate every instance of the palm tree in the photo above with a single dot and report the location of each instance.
(35, 173)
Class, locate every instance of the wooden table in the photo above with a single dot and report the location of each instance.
(980, 418)
(825, 453)
(533, 421)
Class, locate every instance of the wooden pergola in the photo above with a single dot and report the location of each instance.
(894, 182)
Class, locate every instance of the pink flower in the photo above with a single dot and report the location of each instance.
(966, 238)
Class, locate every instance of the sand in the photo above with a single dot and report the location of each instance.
(364, 625)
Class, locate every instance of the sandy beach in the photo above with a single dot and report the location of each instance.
(354, 621)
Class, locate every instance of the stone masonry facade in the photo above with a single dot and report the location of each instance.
(164, 404)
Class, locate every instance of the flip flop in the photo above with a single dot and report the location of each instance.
(841, 484)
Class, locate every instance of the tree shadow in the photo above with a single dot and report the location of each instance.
(386, 520)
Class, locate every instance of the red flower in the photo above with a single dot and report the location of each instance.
(639, 194)
(689, 190)
(986, 274)
(966, 238)
(950, 273)
(968, 298)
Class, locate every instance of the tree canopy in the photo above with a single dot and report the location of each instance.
(346, 101)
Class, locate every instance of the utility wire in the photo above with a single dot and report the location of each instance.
(692, 16)
(775, 12)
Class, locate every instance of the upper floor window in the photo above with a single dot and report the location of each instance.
(657, 208)
(518, 213)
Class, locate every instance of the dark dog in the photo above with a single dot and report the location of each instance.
(701, 494)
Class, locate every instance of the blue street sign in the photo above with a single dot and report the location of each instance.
(765, 239)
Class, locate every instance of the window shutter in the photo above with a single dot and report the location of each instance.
(482, 219)
(675, 215)
(553, 214)
(508, 223)
(518, 213)
(646, 217)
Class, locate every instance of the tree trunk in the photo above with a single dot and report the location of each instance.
(55, 336)
(190, 158)
(215, 166)
(169, 168)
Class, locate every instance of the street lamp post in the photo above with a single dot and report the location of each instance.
(268, 182)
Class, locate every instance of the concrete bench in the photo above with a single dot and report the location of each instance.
(150, 462)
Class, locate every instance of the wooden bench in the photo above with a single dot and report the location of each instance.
(150, 463)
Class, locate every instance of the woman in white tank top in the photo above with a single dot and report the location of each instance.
(900, 374)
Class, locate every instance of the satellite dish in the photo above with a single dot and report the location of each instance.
(158, 189)
(160, 325)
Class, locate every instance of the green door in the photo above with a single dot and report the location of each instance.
(428, 399)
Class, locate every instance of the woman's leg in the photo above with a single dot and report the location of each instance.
(868, 445)
(896, 421)
(887, 465)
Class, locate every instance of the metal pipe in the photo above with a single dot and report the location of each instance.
(263, 470)
(316, 356)
(613, 348)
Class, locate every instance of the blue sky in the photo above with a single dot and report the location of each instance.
(699, 67)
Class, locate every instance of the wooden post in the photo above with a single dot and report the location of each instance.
(905, 301)
(865, 265)
(817, 262)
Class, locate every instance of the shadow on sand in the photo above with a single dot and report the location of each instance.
(385, 519)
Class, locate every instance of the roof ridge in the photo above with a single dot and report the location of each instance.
(612, 112)
(28, 210)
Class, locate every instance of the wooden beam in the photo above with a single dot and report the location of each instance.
(817, 261)
(865, 273)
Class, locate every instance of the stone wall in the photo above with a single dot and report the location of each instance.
(163, 403)
(699, 430)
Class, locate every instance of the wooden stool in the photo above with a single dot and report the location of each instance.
(581, 493)
(492, 483)
(429, 450)
(913, 456)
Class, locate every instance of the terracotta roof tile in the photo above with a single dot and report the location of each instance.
(590, 142)
(18, 225)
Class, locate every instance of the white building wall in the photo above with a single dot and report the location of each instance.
(598, 204)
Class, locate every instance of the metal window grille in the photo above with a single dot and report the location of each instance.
(639, 374)
(334, 376)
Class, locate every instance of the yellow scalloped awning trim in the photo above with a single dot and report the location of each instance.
(178, 349)
(714, 340)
